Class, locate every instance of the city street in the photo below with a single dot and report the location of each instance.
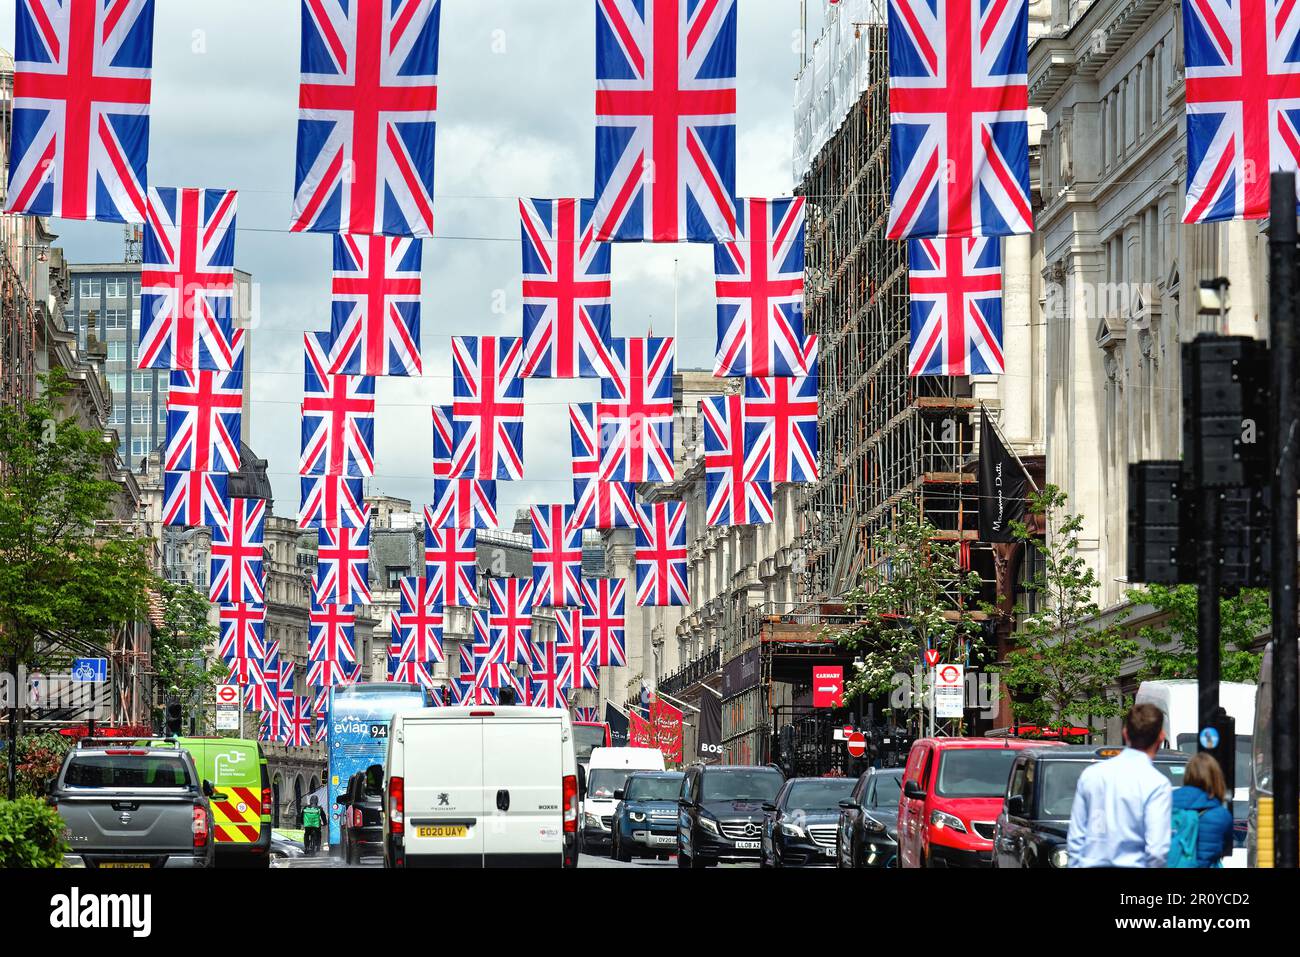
(325, 861)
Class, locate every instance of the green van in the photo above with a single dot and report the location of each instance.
(241, 804)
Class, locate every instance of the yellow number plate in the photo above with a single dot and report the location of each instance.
(443, 830)
(144, 864)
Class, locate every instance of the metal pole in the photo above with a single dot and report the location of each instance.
(1282, 489)
(1208, 575)
(11, 756)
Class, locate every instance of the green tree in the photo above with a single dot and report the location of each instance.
(916, 597)
(1067, 660)
(181, 644)
(1169, 646)
(31, 834)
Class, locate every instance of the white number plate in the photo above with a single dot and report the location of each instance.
(662, 839)
(830, 852)
(748, 845)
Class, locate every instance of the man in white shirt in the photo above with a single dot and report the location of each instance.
(1122, 807)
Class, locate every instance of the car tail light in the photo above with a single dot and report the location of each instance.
(482, 714)
(570, 803)
(200, 826)
(135, 752)
(356, 817)
(396, 805)
(266, 801)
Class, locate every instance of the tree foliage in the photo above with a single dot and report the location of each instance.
(1169, 647)
(40, 756)
(31, 834)
(181, 643)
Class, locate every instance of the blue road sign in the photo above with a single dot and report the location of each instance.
(1209, 738)
(90, 669)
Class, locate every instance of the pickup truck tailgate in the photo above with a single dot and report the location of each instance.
(123, 821)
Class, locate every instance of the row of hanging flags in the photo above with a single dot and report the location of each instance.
(665, 172)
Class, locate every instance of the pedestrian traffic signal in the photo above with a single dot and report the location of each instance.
(172, 717)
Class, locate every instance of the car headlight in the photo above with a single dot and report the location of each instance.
(1060, 857)
(871, 825)
(711, 826)
(942, 819)
(593, 820)
(793, 830)
(637, 816)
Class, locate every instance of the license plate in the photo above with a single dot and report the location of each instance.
(830, 852)
(662, 839)
(748, 845)
(144, 864)
(442, 830)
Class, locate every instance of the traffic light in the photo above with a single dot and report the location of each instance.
(1226, 411)
(1158, 509)
(172, 717)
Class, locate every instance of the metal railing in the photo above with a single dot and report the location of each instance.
(693, 671)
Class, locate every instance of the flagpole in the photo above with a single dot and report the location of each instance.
(677, 701)
(1007, 442)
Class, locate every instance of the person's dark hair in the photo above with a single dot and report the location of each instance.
(1143, 725)
(506, 696)
(1203, 772)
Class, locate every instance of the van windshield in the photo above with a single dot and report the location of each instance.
(586, 738)
(974, 772)
(603, 782)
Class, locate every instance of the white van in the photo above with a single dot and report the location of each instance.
(481, 787)
(1179, 701)
(606, 773)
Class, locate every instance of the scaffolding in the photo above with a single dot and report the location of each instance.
(885, 436)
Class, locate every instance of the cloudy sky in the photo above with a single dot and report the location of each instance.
(516, 103)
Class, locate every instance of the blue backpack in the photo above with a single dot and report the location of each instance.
(1186, 832)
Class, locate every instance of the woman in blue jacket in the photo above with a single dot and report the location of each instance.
(1203, 793)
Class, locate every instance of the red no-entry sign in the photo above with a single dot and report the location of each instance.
(857, 744)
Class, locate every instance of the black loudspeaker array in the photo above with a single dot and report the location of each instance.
(1157, 509)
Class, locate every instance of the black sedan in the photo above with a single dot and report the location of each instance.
(868, 825)
(800, 826)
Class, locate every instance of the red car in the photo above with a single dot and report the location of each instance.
(952, 795)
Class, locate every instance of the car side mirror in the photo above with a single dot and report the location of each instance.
(207, 789)
(582, 783)
(685, 802)
(618, 794)
(914, 791)
(769, 807)
(848, 804)
(1016, 805)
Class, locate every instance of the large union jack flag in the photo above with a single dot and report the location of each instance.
(81, 91)
(604, 620)
(596, 503)
(510, 616)
(237, 572)
(331, 501)
(375, 306)
(545, 679)
(417, 624)
(661, 554)
(956, 290)
(343, 566)
(487, 408)
(451, 564)
(735, 496)
(205, 414)
(635, 414)
(187, 279)
(577, 657)
(759, 286)
(1243, 104)
(781, 422)
(338, 416)
(195, 498)
(410, 672)
(959, 120)
(326, 673)
(566, 290)
(331, 633)
(366, 112)
(665, 120)
(298, 722)
(242, 630)
(457, 502)
(250, 675)
(557, 557)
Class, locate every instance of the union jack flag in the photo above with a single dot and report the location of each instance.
(81, 109)
(299, 723)
(956, 290)
(366, 112)
(284, 694)
(410, 672)
(1243, 104)
(245, 672)
(545, 684)
(332, 501)
(566, 290)
(458, 503)
(375, 309)
(338, 417)
(325, 673)
(781, 423)
(451, 564)
(759, 286)
(259, 690)
(205, 414)
(661, 554)
(488, 407)
(236, 554)
(731, 464)
(343, 566)
(557, 557)
(519, 683)
(665, 120)
(418, 622)
(596, 503)
(635, 414)
(467, 667)
(270, 729)
(195, 498)
(604, 604)
(243, 628)
(577, 658)
(587, 715)
(331, 633)
(510, 616)
(959, 120)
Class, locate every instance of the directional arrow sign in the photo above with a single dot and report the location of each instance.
(828, 686)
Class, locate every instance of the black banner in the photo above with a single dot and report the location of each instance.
(618, 723)
(1003, 486)
(709, 745)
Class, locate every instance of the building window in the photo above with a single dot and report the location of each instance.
(135, 287)
(395, 576)
(117, 381)
(117, 415)
(89, 288)
(142, 382)
(162, 413)
(115, 288)
(139, 447)
(117, 351)
(139, 415)
(114, 318)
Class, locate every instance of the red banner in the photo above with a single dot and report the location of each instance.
(638, 731)
(667, 722)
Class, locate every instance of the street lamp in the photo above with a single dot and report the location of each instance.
(1212, 300)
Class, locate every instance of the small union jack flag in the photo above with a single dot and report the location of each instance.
(665, 120)
(604, 603)
(781, 423)
(237, 573)
(410, 672)
(205, 415)
(661, 554)
(596, 503)
(577, 658)
(467, 668)
(81, 91)
(566, 290)
(586, 715)
(366, 111)
(343, 566)
(458, 503)
(259, 690)
(462, 691)
(451, 564)
(338, 417)
(195, 498)
(248, 672)
(331, 633)
(735, 497)
(557, 557)
(956, 290)
(270, 727)
(299, 724)
(488, 407)
(545, 685)
(243, 629)
(759, 285)
(417, 625)
(331, 501)
(635, 414)
(375, 309)
(326, 673)
(510, 616)
(959, 118)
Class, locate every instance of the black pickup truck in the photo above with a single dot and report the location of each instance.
(137, 804)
